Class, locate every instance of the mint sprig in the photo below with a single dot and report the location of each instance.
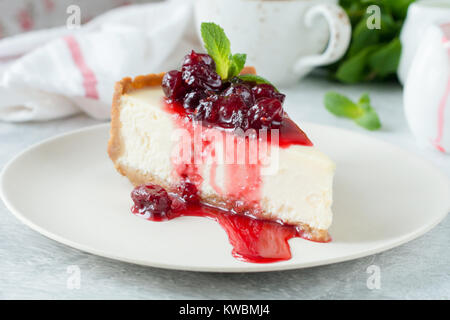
(228, 65)
(218, 47)
(362, 113)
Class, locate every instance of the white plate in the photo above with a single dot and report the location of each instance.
(67, 189)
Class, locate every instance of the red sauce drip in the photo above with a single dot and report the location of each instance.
(291, 134)
(253, 240)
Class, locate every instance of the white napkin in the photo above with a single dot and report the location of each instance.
(58, 72)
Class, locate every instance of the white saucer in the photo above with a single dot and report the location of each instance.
(67, 189)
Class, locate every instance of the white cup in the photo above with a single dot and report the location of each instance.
(421, 14)
(427, 89)
(283, 40)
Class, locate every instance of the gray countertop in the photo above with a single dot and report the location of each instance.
(34, 267)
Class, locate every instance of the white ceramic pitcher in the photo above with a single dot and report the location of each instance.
(427, 89)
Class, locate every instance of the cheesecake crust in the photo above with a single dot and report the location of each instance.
(136, 177)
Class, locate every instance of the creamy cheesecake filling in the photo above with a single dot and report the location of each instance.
(146, 132)
(298, 192)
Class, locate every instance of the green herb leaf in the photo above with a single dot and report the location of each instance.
(354, 69)
(218, 47)
(399, 7)
(362, 37)
(364, 100)
(381, 61)
(369, 118)
(385, 60)
(362, 112)
(237, 64)
(256, 79)
(341, 106)
(389, 27)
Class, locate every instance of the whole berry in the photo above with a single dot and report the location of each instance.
(151, 199)
(173, 86)
(266, 113)
(266, 91)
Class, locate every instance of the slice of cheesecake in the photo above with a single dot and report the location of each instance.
(160, 140)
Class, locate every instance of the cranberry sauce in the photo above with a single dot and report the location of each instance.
(197, 92)
(253, 240)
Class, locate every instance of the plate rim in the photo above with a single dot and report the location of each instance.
(250, 268)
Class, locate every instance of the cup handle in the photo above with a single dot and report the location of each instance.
(340, 34)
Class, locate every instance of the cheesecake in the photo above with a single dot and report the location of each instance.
(190, 139)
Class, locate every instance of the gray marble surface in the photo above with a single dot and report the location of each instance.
(34, 267)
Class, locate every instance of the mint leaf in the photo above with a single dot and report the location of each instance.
(359, 65)
(218, 47)
(386, 59)
(341, 106)
(256, 79)
(354, 69)
(361, 113)
(399, 7)
(362, 37)
(369, 118)
(364, 100)
(389, 27)
(237, 64)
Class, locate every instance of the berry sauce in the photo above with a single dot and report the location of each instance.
(253, 240)
(197, 97)
(198, 93)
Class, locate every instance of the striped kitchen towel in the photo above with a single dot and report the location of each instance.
(57, 72)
